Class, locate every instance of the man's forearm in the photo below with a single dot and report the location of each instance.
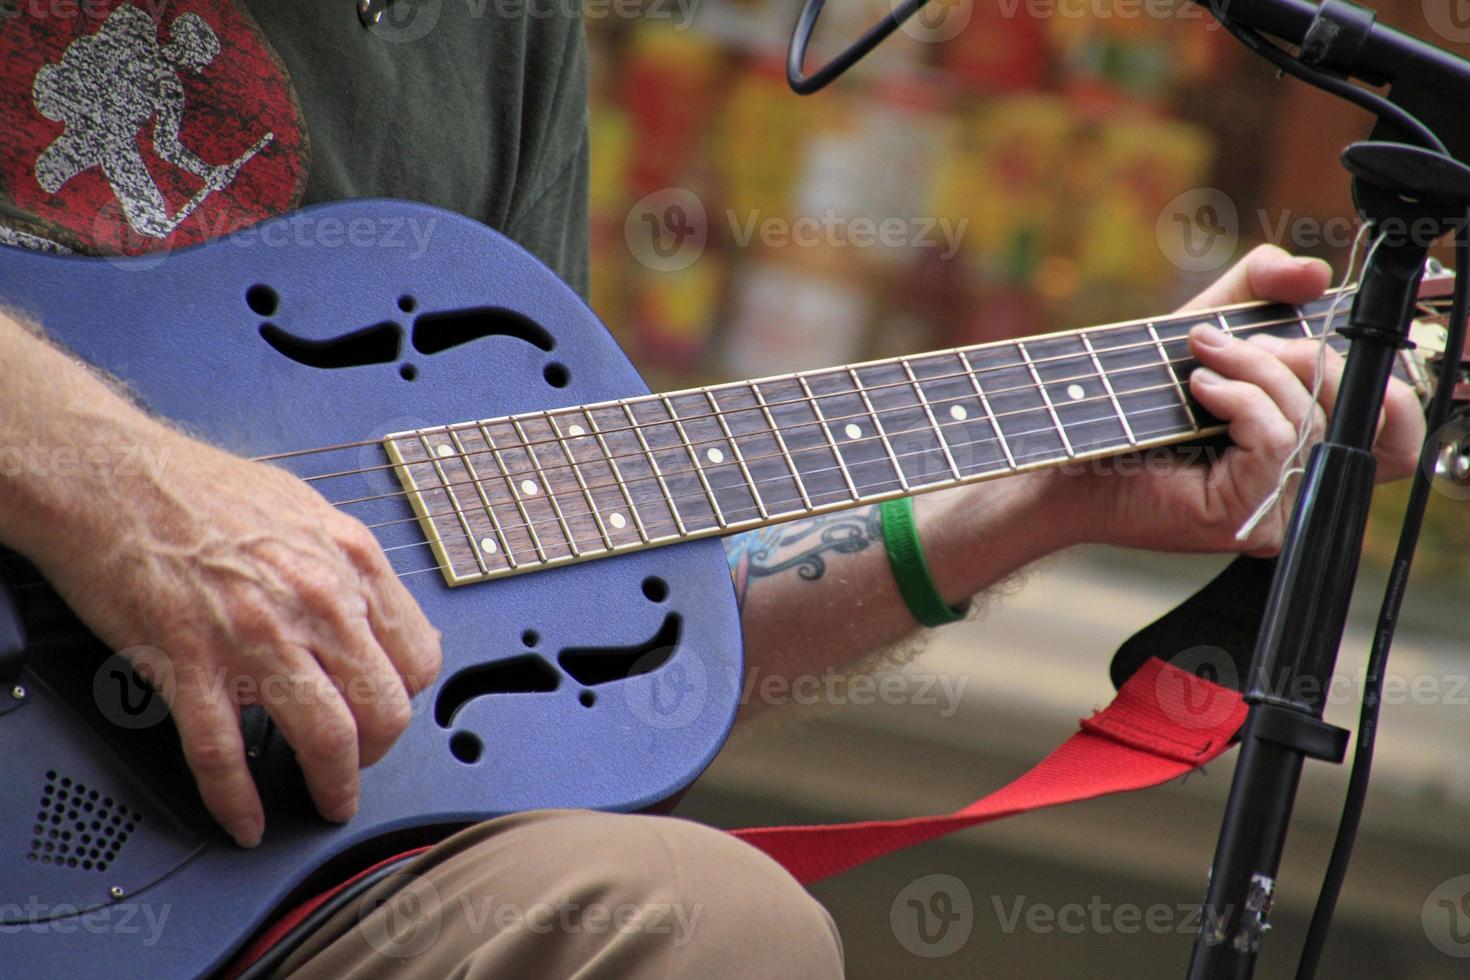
(818, 593)
(64, 432)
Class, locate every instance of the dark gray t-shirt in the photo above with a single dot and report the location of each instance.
(126, 127)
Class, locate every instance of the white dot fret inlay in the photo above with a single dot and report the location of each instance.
(528, 487)
(575, 430)
(715, 456)
(444, 449)
(618, 521)
(958, 413)
(1075, 392)
(852, 431)
(487, 545)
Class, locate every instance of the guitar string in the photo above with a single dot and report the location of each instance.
(683, 450)
(810, 403)
(973, 373)
(686, 446)
(988, 441)
(1173, 319)
(497, 451)
(751, 484)
(664, 500)
(674, 535)
(668, 523)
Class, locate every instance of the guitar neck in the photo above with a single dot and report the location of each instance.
(518, 493)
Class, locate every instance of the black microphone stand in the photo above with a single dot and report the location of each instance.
(1409, 196)
(1307, 608)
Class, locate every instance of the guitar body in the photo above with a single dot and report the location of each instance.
(287, 338)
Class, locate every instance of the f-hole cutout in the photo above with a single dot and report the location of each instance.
(526, 674)
(590, 666)
(377, 344)
(435, 332)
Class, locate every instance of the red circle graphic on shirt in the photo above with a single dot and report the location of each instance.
(132, 127)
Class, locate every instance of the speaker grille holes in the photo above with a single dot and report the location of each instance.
(466, 747)
(530, 638)
(655, 589)
(556, 374)
(408, 372)
(587, 698)
(79, 828)
(262, 300)
(407, 304)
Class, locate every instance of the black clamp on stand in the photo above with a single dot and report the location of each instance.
(1410, 197)
(1336, 37)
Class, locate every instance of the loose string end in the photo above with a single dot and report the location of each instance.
(1292, 465)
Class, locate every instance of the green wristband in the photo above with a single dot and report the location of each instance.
(910, 570)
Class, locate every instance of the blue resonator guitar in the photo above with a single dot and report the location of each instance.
(469, 408)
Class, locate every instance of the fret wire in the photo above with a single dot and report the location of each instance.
(1023, 412)
(973, 478)
(1046, 397)
(1108, 385)
(653, 465)
(1115, 327)
(469, 465)
(515, 495)
(755, 389)
(903, 480)
(755, 495)
(1306, 328)
(576, 469)
(454, 505)
(566, 528)
(1169, 369)
(694, 458)
(827, 431)
(617, 474)
(1020, 412)
(969, 369)
(924, 401)
(1155, 343)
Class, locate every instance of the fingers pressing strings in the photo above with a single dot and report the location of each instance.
(1294, 464)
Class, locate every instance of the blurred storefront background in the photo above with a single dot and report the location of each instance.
(1000, 168)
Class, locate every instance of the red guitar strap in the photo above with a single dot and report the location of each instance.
(1165, 722)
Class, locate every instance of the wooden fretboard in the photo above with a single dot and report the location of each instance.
(523, 492)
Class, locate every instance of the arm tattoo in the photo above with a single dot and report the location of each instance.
(768, 551)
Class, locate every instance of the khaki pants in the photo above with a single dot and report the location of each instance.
(560, 894)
